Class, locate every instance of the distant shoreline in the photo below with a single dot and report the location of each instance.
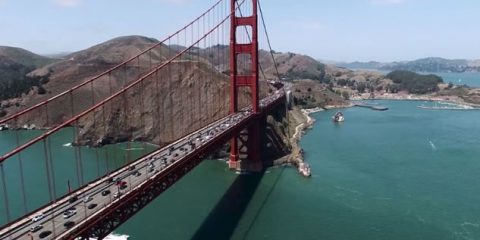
(412, 97)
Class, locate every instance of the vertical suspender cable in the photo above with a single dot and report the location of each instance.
(198, 83)
(170, 94)
(22, 175)
(142, 117)
(181, 77)
(268, 39)
(75, 139)
(105, 134)
(52, 169)
(156, 121)
(125, 118)
(49, 159)
(95, 129)
(5, 193)
(47, 168)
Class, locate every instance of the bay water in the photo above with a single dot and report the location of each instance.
(471, 79)
(405, 173)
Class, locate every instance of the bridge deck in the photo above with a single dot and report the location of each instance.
(134, 176)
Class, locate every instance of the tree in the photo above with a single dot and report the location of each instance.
(361, 87)
(415, 83)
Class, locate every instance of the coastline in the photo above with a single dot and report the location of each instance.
(296, 157)
(414, 97)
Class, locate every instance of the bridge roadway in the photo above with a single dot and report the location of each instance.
(132, 176)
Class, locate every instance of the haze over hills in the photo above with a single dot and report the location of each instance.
(431, 64)
(24, 57)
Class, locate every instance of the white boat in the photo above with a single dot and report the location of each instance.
(4, 127)
(304, 169)
(338, 117)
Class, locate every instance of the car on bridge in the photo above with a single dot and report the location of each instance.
(73, 199)
(92, 206)
(38, 217)
(69, 224)
(36, 228)
(44, 234)
(69, 212)
(105, 192)
(122, 185)
(87, 199)
(117, 195)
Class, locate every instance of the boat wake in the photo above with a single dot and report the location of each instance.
(133, 149)
(113, 236)
(433, 145)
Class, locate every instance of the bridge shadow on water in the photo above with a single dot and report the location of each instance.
(224, 218)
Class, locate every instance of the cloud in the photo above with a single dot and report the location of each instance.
(67, 3)
(387, 2)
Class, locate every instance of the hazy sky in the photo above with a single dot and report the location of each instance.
(382, 30)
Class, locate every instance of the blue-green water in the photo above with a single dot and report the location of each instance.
(69, 166)
(405, 173)
(468, 78)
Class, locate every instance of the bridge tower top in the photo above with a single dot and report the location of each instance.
(248, 79)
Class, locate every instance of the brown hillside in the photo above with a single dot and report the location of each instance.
(165, 110)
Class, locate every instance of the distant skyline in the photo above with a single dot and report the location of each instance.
(337, 30)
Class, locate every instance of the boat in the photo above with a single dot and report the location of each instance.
(338, 117)
(4, 127)
(304, 169)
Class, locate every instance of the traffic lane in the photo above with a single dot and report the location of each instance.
(184, 145)
(170, 160)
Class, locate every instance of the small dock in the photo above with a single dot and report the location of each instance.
(373, 107)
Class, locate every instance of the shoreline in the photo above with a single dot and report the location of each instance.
(413, 97)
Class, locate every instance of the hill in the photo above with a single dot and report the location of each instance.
(24, 57)
(431, 64)
(182, 92)
(15, 64)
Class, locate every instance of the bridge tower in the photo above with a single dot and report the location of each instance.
(245, 148)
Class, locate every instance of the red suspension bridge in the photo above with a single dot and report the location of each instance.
(188, 95)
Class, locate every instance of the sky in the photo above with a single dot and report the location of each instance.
(338, 30)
